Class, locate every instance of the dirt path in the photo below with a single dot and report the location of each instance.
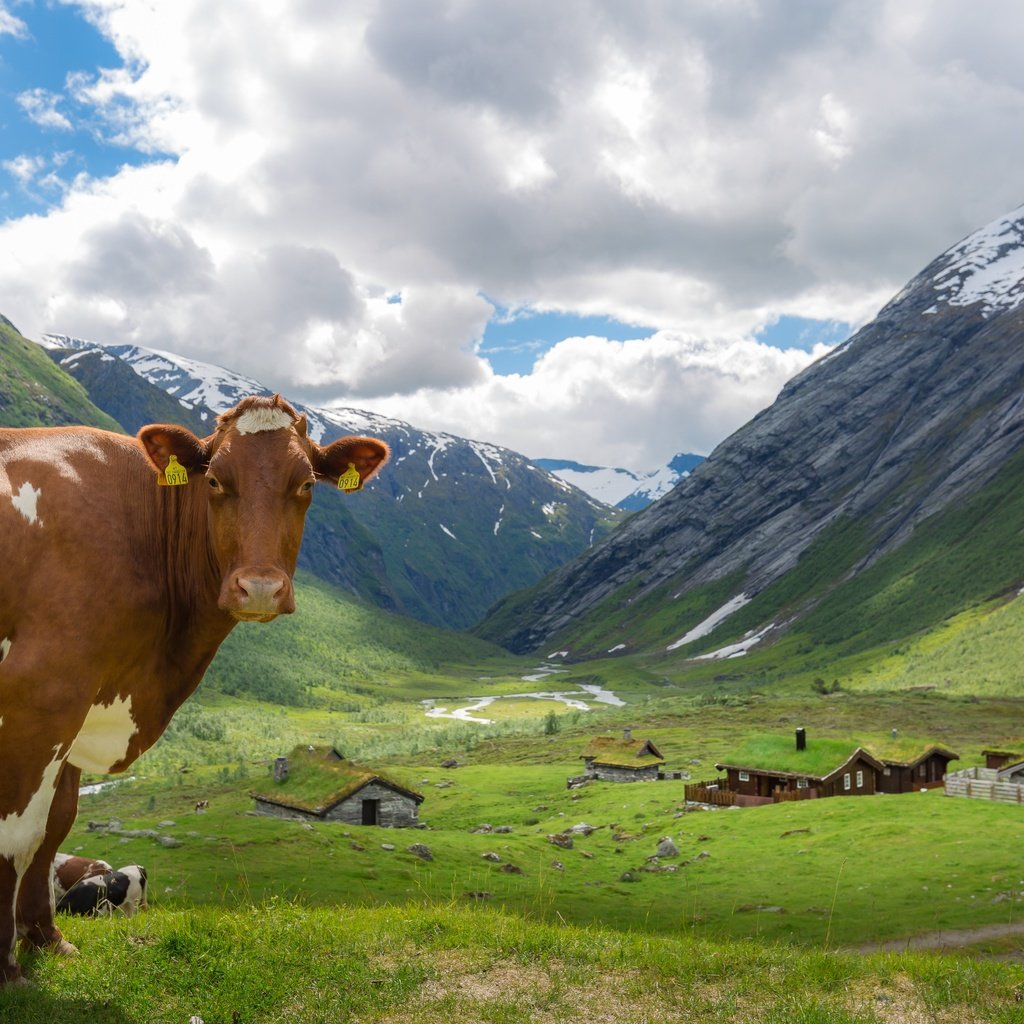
(957, 938)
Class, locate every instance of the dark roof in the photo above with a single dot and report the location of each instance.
(617, 752)
(319, 779)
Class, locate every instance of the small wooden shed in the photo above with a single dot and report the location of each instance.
(622, 759)
(317, 783)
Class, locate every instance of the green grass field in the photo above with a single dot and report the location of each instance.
(277, 963)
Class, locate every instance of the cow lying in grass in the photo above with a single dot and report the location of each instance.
(122, 891)
(126, 562)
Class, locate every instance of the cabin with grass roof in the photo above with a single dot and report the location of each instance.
(622, 759)
(770, 769)
(318, 784)
(909, 767)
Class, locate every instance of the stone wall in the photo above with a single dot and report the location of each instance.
(611, 773)
(395, 810)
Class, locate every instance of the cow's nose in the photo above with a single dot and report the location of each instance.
(263, 593)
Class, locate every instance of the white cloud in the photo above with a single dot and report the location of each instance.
(621, 403)
(40, 105)
(702, 168)
(10, 25)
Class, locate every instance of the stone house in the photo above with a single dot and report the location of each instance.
(622, 759)
(318, 784)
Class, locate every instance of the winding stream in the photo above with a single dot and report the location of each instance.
(580, 700)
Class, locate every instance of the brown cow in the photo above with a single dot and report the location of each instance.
(115, 594)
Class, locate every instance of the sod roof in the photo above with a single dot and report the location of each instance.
(319, 779)
(617, 752)
(823, 755)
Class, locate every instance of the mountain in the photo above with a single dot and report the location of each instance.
(879, 495)
(35, 393)
(451, 526)
(621, 487)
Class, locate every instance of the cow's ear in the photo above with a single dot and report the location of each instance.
(350, 460)
(162, 441)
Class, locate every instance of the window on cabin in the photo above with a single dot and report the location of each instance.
(860, 780)
(846, 781)
(801, 783)
(744, 776)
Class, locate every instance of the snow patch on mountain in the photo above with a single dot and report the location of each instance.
(986, 267)
(708, 624)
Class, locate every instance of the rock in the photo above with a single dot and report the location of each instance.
(491, 856)
(587, 854)
(583, 829)
(562, 840)
(387, 846)
(481, 829)
(444, 784)
(557, 865)
(356, 846)
(503, 828)
(169, 842)
(629, 876)
(511, 869)
(758, 908)
(166, 824)
(421, 850)
(477, 894)
(667, 848)
(450, 763)
(794, 832)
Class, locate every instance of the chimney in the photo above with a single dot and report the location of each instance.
(627, 734)
(801, 739)
(280, 769)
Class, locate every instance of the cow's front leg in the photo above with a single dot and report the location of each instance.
(35, 898)
(26, 796)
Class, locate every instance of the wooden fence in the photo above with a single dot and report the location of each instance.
(983, 784)
(711, 791)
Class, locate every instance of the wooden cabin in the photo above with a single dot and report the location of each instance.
(925, 770)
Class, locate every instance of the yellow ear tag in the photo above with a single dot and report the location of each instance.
(175, 474)
(350, 480)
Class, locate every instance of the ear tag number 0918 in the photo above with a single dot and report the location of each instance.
(350, 480)
(175, 474)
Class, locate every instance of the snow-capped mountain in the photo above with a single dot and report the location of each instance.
(622, 487)
(875, 492)
(448, 529)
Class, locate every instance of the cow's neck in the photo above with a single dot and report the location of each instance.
(194, 626)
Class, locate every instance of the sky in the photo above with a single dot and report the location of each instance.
(587, 230)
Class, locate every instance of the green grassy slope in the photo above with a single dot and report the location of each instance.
(279, 964)
(34, 391)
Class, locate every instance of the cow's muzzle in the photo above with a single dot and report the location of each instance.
(258, 595)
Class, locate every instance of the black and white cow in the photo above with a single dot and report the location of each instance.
(122, 891)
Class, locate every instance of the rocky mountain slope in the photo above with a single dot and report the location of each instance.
(622, 487)
(451, 526)
(883, 443)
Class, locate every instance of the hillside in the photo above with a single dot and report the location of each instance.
(451, 527)
(874, 499)
(35, 393)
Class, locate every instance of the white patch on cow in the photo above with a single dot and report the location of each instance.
(21, 834)
(135, 898)
(104, 737)
(5, 648)
(254, 420)
(24, 500)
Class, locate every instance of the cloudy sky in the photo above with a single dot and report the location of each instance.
(583, 229)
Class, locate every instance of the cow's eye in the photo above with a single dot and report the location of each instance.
(306, 487)
(213, 482)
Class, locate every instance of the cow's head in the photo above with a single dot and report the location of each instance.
(256, 474)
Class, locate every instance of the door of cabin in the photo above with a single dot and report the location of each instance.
(371, 809)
